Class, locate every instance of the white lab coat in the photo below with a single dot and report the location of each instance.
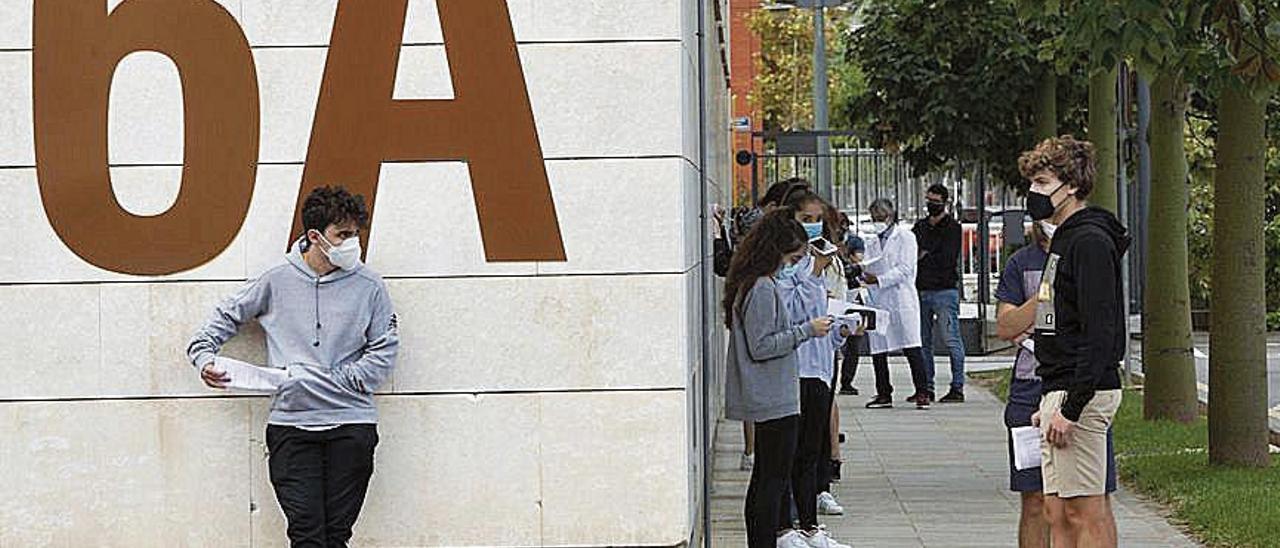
(896, 292)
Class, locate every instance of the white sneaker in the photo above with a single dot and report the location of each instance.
(793, 539)
(828, 506)
(821, 539)
(747, 462)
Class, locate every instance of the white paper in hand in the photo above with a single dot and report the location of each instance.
(1026, 447)
(250, 378)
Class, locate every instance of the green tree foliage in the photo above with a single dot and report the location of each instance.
(947, 80)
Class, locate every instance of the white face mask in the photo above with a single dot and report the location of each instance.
(879, 227)
(345, 256)
(1048, 228)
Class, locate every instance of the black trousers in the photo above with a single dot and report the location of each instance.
(915, 358)
(824, 459)
(815, 424)
(849, 368)
(767, 510)
(320, 479)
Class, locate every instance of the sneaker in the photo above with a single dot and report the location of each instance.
(923, 401)
(880, 402)
(793, 539)
(848, 391)
(747, 462)
(954, 396)
(820, 539)
(835, 470)
(912, 398)
(828, 506)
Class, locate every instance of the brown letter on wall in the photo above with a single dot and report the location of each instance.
(489, 123)
(77, 46)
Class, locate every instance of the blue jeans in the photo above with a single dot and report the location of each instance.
(944, 305)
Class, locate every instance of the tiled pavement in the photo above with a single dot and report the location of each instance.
(937, 477)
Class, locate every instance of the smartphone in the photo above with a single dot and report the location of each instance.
(823, 247)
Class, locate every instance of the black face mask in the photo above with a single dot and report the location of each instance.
(1040, 206)
(936, 208)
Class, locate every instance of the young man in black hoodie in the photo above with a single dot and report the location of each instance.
(1079, 338)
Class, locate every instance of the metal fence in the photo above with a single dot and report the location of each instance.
(861, 175)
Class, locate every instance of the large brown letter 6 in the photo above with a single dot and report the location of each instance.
(489, 124)
(77, 46)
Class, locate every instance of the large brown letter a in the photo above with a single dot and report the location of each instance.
(76, 48)
(489, 123)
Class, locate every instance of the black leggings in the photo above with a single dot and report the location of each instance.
(915, 358)
(767, 510)
(815, 427)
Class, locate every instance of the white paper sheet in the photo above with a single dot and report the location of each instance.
(250, 378)
(1026, 447)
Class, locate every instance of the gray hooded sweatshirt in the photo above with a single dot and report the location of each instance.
(762, 376)
(336, 335)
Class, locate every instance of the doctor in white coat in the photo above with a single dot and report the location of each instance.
(892, 285)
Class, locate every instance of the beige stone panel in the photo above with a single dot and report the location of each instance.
(482, 334)
(125, 473)
(146, 191)
(444, 465)
(268, 230)
(15, 24)
(614, 469)
(17, 125)
(619, 216)
(145, 331)
(609, 99)
(49, 342)
(145, 113)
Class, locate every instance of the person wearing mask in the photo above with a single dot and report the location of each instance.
(805, 294)
(762, 373)
(938, 281)
(894, 292)
(835, 225)
(854, 248)
(743, 222)
(1016, 310)
(329, 321)
(1079, 338)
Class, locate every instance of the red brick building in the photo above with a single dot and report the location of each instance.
(744, 47)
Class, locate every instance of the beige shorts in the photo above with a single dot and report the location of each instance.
(1080, 468)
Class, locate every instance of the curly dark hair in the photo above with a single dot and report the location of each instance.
(1070, 160)
(332, 205)
(759, 255)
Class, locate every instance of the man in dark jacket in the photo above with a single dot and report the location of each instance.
(938, 283)
(1079, 338)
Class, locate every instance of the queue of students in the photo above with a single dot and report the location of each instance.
(1063, 292)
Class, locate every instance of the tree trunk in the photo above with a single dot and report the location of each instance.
(1102, 133)
(1238, 353)
(1167, 360)
(1047, 105)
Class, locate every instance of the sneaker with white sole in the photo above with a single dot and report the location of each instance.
(747, 462)
(828, 506)
(820, 539)
(793, 539)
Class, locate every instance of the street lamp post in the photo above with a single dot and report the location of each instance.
(822, 172)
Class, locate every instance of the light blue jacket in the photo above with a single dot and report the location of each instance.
(805, 295)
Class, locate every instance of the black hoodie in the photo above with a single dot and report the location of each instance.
(1080, 338)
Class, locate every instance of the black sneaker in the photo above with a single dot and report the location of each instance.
(922, 403)
(848, 391)
(880, 402)
(954, 396)
(912, 398)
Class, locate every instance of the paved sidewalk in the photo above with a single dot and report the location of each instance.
(937, 477)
